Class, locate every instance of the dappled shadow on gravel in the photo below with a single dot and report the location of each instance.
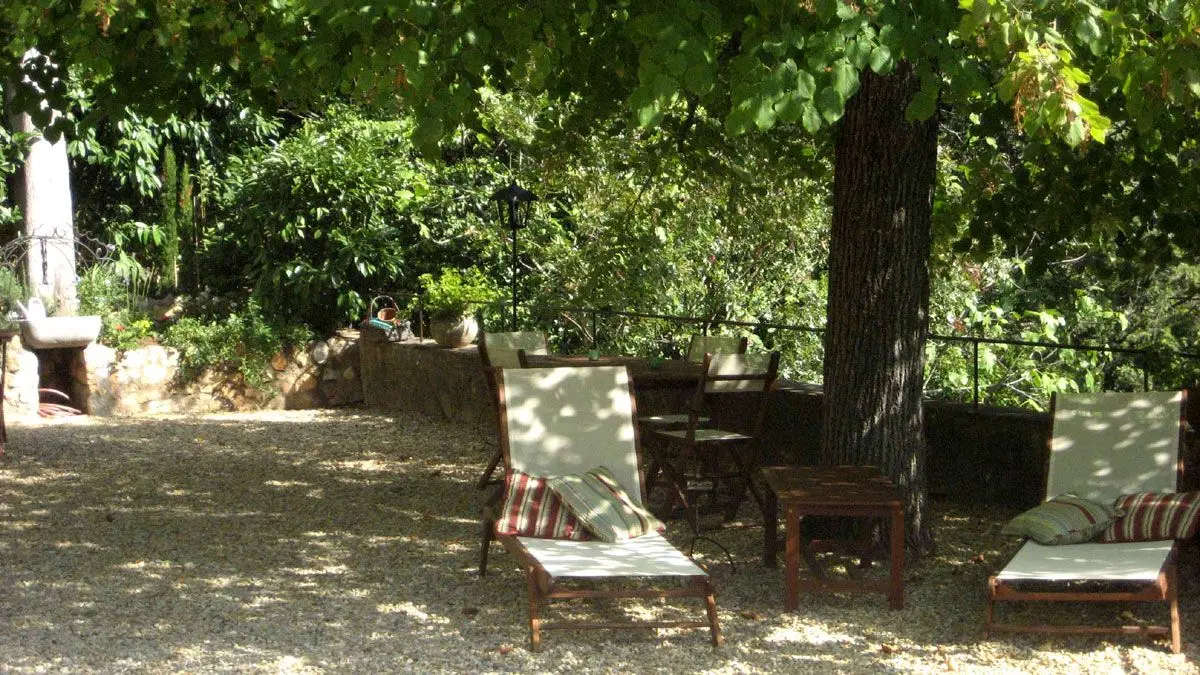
(345, 541)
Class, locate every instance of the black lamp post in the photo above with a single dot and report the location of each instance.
(513, 205)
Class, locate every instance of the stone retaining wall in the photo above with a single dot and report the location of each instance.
(145, 381)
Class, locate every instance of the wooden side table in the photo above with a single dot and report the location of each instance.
(849, 491)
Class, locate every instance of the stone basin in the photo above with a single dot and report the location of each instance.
(60, 332)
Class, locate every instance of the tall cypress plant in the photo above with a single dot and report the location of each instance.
(169, 249)
(185, 226)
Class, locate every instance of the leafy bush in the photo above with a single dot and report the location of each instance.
(129, 334)
(319, 221)
(11, 291)
(116, 292)
(243, 343)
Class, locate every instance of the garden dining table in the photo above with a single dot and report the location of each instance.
(646, 374)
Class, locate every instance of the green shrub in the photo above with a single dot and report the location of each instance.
(322, 219)
(243, 343)
(117, 294)
(11, 291)
(128, 334)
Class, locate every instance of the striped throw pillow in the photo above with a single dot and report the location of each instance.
(603, 506)
(1154, 517)
(1066, 519)
(531, 509)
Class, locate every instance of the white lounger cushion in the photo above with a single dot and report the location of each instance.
(1140, 561)
(649, 555)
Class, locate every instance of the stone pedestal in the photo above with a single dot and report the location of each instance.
(423, 377)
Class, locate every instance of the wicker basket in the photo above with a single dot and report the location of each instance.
(389, 312)
(383, 318)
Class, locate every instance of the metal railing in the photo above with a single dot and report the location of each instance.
(549, 316)
(763, 328)
(975, 341)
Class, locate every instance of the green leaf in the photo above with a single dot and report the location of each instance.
(699, 78)
(774, 47)
(830, 104)
(789, 109)
(427, 135)
(806, 85)
(1076, 75)
(1075, 132)
(1006, 89)
(665, 86)
(1088, 32)
(858, 52)
(980, 11)
(881, 60)
(1098, 127)
(764, 116)
(810, 118)
(826, 9)
(739, 119)
(845, 79)
(923, 105)
(1006, 34)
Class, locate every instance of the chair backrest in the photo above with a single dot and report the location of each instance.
(714, 344)
(499, 350)
(559, 421)
(734, 374)
(1109, 444)
(740, 372)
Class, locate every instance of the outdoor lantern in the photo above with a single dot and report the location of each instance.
(513, 206)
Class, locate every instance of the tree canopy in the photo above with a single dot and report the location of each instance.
(1068, 68)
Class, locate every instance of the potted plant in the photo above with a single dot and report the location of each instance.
(448, 299)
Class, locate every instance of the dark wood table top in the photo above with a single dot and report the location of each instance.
(831, 485)
(644, 373)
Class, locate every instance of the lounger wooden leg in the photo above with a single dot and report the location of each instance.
(535, 620)
(489, 527)
(1173, 601)
(991, 606)
(771, 530)
(486, 478)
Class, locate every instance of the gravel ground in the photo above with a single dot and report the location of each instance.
(344, 541)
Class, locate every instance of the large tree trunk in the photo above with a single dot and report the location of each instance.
(44, 195)
(884, 175)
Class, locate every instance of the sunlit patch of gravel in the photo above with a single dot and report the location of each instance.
(347, 542)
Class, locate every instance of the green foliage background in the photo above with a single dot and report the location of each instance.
(301, 220)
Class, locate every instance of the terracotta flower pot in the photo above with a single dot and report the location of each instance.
(458, 331)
